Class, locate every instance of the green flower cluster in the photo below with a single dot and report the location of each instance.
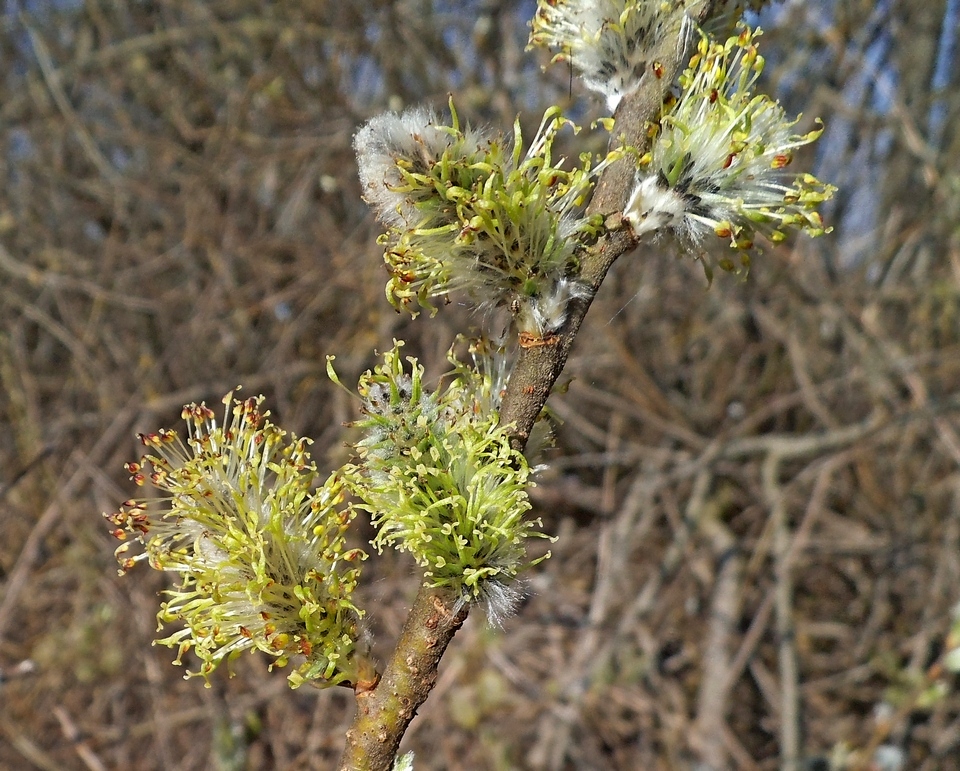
(438, 475)
(477, 214)
(718, 161)
(260, 551)
(608, 42)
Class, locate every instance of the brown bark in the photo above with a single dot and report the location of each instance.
(385, 712)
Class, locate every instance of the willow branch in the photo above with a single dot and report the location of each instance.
(385, 712)
(539, 366)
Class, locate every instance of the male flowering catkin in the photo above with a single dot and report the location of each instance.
(259, 550)
(477, 214)
(608, 42)
(612, 43)
(717, 164)
(440, 480)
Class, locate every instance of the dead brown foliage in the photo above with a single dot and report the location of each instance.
(755, 487)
